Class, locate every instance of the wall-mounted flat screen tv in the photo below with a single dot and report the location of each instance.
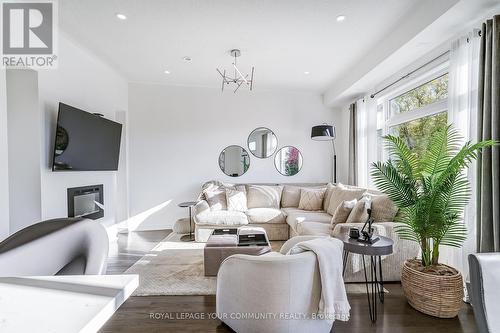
(85, 141)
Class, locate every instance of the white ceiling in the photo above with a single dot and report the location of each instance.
(427, 33)
(281, 38)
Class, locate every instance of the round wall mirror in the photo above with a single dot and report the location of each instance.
(288, 161)
(234, 161)
(262, 142)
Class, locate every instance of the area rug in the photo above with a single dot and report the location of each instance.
(174, 267)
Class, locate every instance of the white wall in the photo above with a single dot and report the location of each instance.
(4, 162)
(84, 81)
(23, 119)
(177, 133)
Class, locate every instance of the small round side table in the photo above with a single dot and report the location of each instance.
(188, 204)
(375, 251)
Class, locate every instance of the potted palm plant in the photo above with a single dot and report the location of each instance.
(431, 192)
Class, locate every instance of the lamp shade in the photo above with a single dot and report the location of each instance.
(323, 133)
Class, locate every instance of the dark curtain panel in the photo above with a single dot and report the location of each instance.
(488, 181)
(353, 165)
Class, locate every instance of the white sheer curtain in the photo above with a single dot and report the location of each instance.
(366, 132)
(462, 99)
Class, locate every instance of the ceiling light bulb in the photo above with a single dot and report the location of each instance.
(307, 73)
(121, 16)
(340, 18)
(166, 72)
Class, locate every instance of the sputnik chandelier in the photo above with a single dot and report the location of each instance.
(238, 79)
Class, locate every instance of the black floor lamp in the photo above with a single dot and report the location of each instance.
(326, 133)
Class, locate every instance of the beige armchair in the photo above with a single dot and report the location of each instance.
(274, 287)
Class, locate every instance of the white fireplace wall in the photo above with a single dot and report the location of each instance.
(84, 81)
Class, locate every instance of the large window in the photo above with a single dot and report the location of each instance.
(417, 133)
(416, 112)
(423, 95)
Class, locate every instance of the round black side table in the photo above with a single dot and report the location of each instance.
(375, 251)
(188, 204)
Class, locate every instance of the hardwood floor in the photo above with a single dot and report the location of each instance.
(137, 314)
(131, 247)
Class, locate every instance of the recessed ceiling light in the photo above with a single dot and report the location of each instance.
(340, 18)
(121, 16)
(186, 58)
(307, 73)
(166, 71)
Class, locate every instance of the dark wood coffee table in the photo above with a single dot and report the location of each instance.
(383, 247)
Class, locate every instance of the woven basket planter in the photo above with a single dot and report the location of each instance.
(436, 295)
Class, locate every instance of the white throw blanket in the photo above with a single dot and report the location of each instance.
(333, 304)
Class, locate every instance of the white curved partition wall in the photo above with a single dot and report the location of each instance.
(56, 247)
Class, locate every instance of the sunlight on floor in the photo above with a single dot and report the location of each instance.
(176, 245)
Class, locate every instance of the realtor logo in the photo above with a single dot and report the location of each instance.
(28, 34)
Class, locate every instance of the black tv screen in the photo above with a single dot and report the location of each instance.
(85, 141)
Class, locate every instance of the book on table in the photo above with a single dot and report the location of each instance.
(252, 240)
(226, 231)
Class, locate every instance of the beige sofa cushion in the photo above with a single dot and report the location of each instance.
(328, 195)
(215, 195)
(359, 213)
(383, 209)
(343, 211)
(290, 196)
(236, 198)
(342, 193)
(222, 218)
(314, 228)
(265, 215)
(296, 216)
(264, 196)
(311, 199)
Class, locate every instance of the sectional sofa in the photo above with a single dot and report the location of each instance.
(275, 207)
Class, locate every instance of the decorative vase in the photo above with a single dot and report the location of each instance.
(436, 295)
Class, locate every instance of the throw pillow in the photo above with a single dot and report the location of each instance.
(216, 197)
(264, 196)
(311, 199)
(342, 212)
(290, 196)
(209, 184)
(359, 213)
(342, 193)
(383, 209)
(328, 195)
(236, 198)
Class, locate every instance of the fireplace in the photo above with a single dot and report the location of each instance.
(86, 201)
